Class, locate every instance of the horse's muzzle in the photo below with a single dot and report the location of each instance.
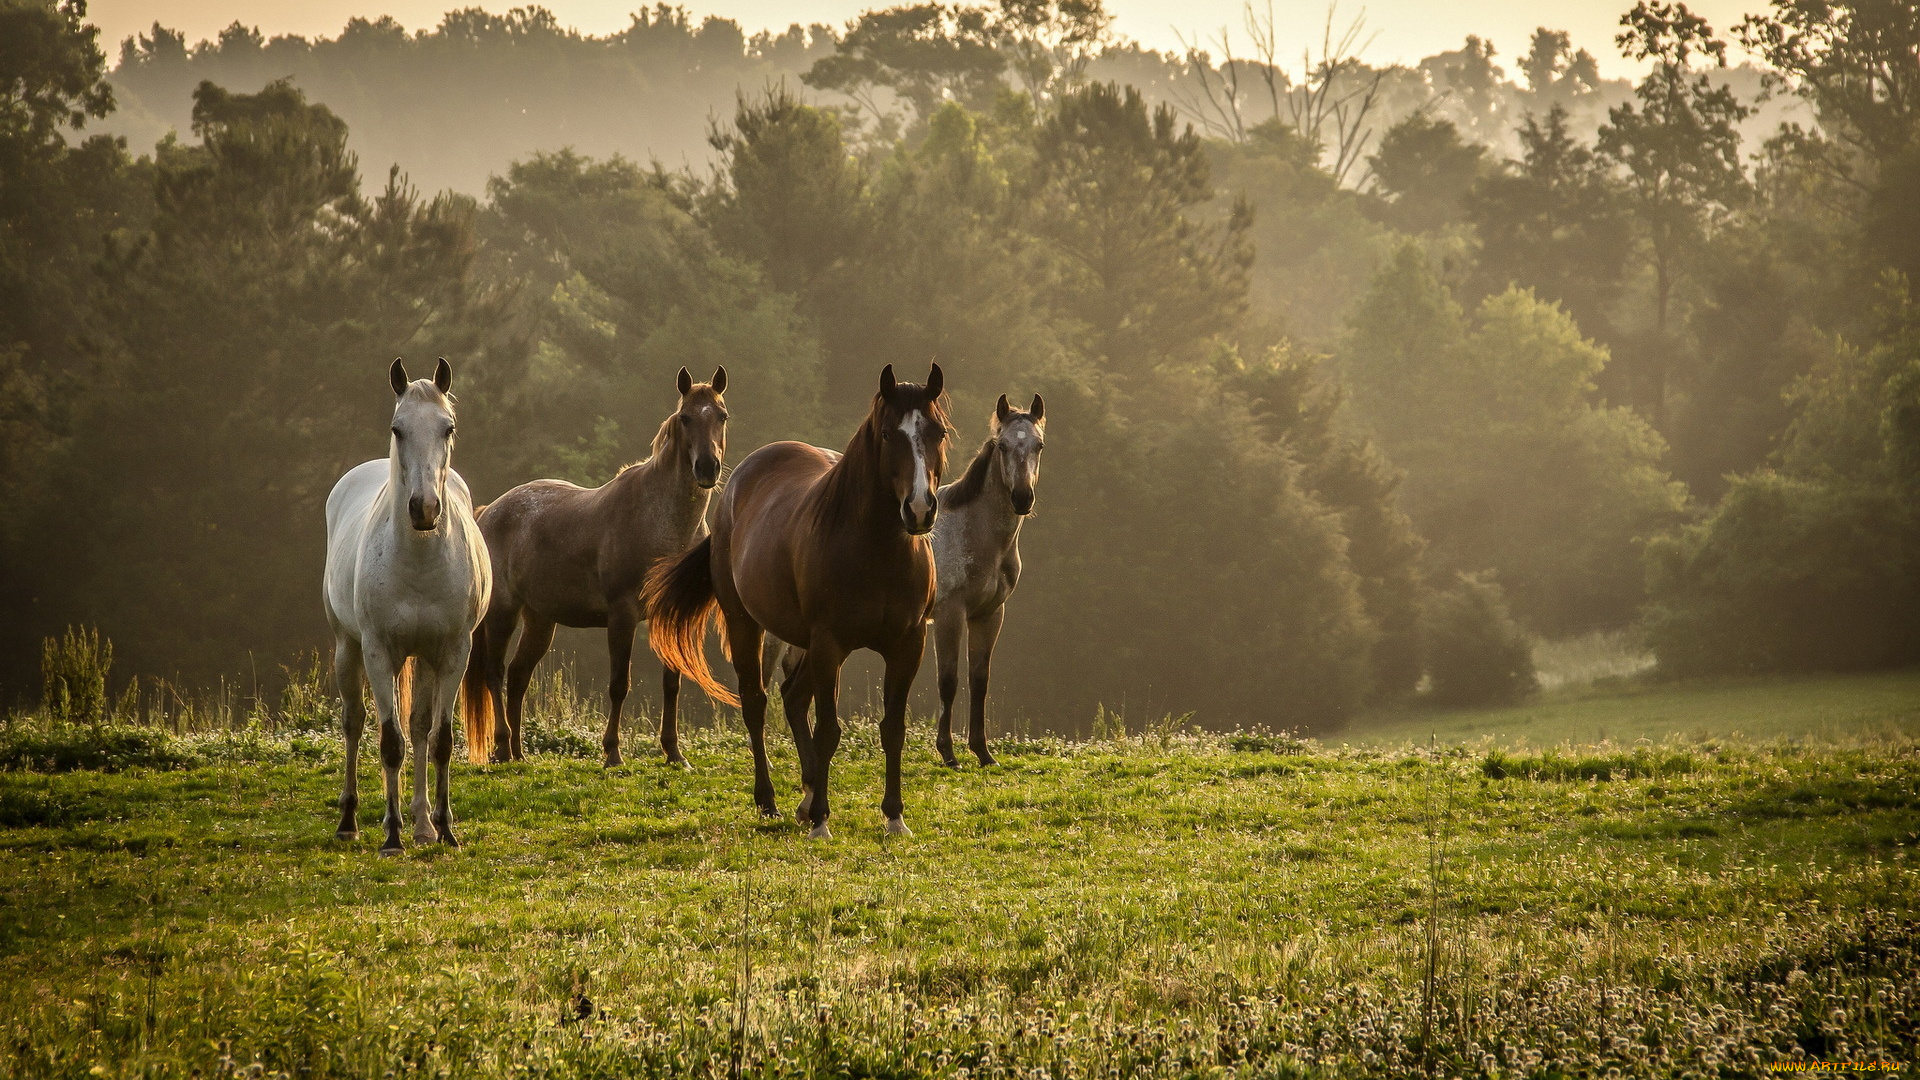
(1023, 501)
(918, 524)
(706, 471)
(424, 512)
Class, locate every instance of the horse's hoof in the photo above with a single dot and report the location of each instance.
(392, 847)
(349, 835)
(950, 762)
(676, 761)
(803, 813)
(446, 837)
(898, 827)
(425, 837)
(614, 759)
(986, 759)
(769, 811)
(820, 832)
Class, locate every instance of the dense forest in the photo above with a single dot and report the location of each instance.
(1359, 379)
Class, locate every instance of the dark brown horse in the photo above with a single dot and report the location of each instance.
(976, 561)
(828, 552)
(571, 556)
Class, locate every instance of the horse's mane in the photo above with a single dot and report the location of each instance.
(973, 481)
(851, 480)
(663, 439)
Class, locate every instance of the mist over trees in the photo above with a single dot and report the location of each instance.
(455, 104)
(1354, 376)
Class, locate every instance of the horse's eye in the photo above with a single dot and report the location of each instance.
(449, 431)
(684, 418)
(397, 434)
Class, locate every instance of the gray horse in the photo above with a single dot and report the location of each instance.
(976, 556)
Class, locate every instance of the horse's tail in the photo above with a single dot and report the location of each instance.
(476, 701)
(403, 695)
(773, 656)
(680, 604)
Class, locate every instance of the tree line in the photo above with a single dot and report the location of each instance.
(1313, 440)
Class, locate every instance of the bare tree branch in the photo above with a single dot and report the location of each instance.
(1338, 91)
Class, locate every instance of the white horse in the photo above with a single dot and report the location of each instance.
(408, 579)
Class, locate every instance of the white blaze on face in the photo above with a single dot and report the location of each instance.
(1021, 441)
(922, 498)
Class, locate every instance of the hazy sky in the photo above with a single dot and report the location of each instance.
(1402, 30)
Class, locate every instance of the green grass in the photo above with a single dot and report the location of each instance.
(1831, 709)
(1176, 905)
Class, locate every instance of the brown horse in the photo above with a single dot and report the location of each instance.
(976, 562)
(571, 556)
(828, 552)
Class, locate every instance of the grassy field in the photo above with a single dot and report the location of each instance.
(1166, 904)
(1876, 707)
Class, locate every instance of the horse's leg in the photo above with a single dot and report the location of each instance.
(347, 673)
(420, 721)
(381, 671)
(796, 697)
(824, 658)
(903, 663)
(499, 634)
(670, 715)
(536, 637)
(981, 634)
(948, 619)
(446, 698)
(622, 620)
(743, 643)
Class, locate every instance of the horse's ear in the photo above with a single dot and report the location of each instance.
(686, 381)
(397, 375)
(1038, 410)
(935, 381)
(886, 382)
(1002, 412)
(443, 377)
(719, 383)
